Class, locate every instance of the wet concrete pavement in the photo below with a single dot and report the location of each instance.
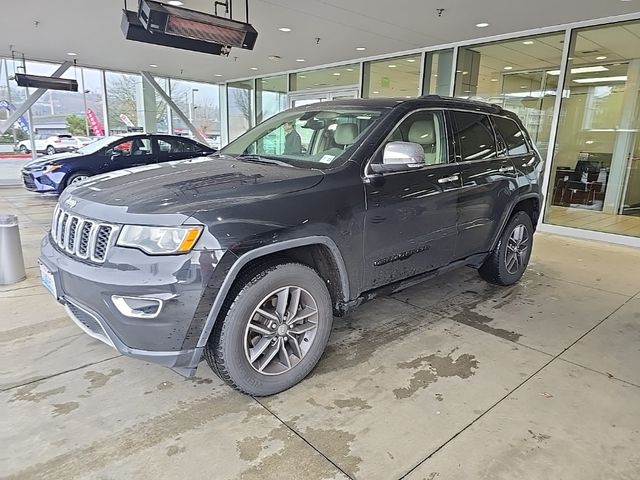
(453, 378)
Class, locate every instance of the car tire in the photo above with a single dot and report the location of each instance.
(50, 150)
(23, 149)
(75, 177)
(258, 315)
(508, 262)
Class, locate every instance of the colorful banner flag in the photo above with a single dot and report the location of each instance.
(94, 123)
(22, 122)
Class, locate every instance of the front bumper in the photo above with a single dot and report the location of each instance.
(169, 339)
(41, 181)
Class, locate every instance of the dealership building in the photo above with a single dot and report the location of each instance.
(430, 371)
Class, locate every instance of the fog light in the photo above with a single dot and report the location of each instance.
(138, 307)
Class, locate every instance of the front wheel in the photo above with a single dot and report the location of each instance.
(50, 150)
(76, 177)
(273, 329)
(508, 262)
(24, 149)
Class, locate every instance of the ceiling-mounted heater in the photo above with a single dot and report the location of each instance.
(189, 29)
(50, 83)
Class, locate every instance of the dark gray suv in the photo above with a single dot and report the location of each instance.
(246, 256)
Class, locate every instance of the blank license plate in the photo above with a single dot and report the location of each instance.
(48, 280)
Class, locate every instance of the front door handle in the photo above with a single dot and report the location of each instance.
(452, 178)
(506, 169)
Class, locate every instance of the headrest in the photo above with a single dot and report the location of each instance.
(422, 132)
(345, 133)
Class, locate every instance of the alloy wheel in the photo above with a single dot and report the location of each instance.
(281, 330)
(78, 178)
(517, 249)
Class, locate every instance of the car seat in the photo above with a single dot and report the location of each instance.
(423, 132)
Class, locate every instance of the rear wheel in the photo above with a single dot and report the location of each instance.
(50, 150)
(508, 262)
(24, 149)
(272, 330)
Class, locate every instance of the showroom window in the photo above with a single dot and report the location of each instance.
(437, 72)
(122, 101)
(200, 102)
(326, 78)
(520, 75)
(271, 96)
(240, 107)
(392, 77)
(595, 172)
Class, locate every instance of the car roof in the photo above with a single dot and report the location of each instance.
(424, 101)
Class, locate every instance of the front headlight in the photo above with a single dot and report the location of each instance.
(159, 240)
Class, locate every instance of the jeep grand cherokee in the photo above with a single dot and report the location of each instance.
(245, 256)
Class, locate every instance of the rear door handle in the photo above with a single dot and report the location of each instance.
(506, 169)
(452, 178)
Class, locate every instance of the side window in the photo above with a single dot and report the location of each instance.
(166, 146)
(514, 139)
(426, 128)
(475, 139)
(128, 147)
(187, 146)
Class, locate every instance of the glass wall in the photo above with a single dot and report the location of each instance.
(122, 102)
(438, 69)
(595, 173)
(392, 77)
(240, 107)
(200, 102)
(324, 78)
(520, 75)
(271, 96)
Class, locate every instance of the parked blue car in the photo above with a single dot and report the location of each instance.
(54, 173)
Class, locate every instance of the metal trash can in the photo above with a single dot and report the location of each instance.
(11, 259)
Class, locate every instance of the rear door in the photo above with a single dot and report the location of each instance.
(489, 182)
(410, 222)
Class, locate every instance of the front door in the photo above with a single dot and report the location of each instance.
(489, 183)
(129, 152)
(410, 222)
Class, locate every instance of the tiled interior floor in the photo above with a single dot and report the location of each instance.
(451, 379)
(593, 220)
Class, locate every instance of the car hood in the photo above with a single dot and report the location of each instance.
(176, 190)
(49, 159)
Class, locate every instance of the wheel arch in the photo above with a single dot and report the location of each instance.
(318, 252)
(530, 204)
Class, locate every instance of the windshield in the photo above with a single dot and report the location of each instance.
(314, 138)
(93, 147)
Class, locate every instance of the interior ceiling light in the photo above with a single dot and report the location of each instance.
(494, 79)
(72, 54)
(392, 66)
(302, 76)
(175, 3)
(601, 57)
(299, 59)
(218, 75)
(598, 68)
(508, 68)
(284, 29)
(361, 49)
(621, 78)
(254, 68)
(178, 27)
(375, 92)
(349, 69)
(337, 74)
(482, 25)
(153, 65)
(528, 42)
(411, 60)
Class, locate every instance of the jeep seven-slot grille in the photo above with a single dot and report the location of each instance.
(81, 237)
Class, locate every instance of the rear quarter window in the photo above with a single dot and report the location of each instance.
(514, 139)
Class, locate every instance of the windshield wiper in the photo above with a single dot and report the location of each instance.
(265, 160)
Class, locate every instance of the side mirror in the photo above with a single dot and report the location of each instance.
(400, 156)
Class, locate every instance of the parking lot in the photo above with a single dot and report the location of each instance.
(451, 379)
